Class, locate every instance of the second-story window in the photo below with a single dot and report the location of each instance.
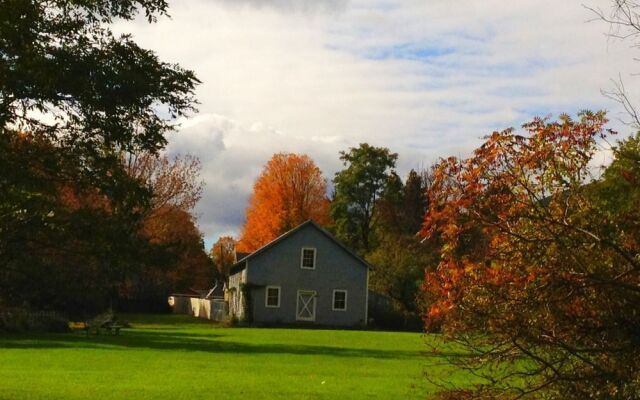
(308, 258)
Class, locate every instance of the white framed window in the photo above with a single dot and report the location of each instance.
(339, 302)
(272, 297)
(308, 258)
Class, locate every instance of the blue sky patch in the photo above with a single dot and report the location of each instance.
(408, 51)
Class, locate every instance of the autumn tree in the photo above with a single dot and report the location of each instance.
(223, 254)
(173, 181)
(175, 259)
(544, 298)
(357, 190)
(289, 191)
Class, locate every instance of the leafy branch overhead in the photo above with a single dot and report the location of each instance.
(76, 100)
(64, 73)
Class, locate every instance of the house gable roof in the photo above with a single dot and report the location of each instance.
(241, 263)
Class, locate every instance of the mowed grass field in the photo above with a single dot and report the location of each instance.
(179, 357)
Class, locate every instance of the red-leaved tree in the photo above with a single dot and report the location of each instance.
(538, 281)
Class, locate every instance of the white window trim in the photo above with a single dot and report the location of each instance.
(266, 296)
(333, 300)
(315, 252)
(315, 304)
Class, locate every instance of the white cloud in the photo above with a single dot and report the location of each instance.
(426, 79)
(232, 156)
(304, 6)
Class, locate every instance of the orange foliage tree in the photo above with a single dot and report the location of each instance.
(223, 254)
(289, 191)
(176, 258)
(179, 243)
(174, 181)
(539, 280)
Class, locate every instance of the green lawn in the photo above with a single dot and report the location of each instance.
(177, 357)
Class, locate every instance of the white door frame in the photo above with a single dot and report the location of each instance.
(309, 305)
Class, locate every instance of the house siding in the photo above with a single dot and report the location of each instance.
(335, 269)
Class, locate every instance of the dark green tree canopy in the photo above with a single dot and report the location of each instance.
(415, 200)
(357, 190)
(621, 179)
(399, 254)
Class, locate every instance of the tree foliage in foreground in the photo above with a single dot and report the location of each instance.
(73, 98)
(65, 74)
(540, 271)
(289, 191)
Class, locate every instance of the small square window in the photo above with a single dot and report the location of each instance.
(339, 300)
(272, 297)
(308, 258)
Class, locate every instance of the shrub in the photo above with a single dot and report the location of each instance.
(16, 320)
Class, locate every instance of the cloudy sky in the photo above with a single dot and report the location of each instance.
(426, 78)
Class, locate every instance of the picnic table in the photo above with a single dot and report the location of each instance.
(106, 321)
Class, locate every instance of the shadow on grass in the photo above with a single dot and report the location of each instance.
(164, 320)
(210, 342)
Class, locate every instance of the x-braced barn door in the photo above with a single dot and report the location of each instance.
(306, 305)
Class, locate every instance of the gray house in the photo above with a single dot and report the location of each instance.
(304, 276)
